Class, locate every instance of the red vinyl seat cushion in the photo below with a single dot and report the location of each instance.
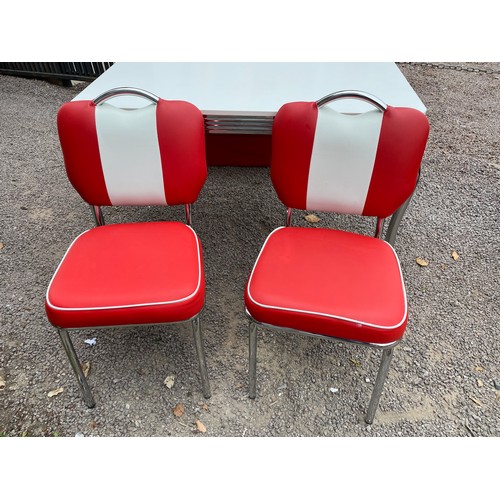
(329, 282)
(126, 274)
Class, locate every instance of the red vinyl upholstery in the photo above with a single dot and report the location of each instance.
(163, 283)
(133, 273)
(385, 179)
(175, 129)
(330, 282)
(323, 281)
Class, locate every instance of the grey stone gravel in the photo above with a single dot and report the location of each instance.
(445, 374)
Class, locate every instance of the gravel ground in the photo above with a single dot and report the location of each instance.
(445, 376)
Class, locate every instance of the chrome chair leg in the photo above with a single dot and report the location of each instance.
(379, 384)
(200, 351)
(75, 364)
(396, 218)
(252, 359)
(98, 216)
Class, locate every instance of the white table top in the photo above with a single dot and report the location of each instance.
(256, 89)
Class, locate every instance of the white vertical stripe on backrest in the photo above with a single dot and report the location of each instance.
(342, 160)
(130, 155)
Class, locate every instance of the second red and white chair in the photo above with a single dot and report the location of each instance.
(331, 283)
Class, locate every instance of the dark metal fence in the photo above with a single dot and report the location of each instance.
(84, 71)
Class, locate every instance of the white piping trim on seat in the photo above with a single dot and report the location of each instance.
(314, 313)
(127, 306)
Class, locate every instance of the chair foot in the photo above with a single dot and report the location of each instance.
(200, 351)
(75, 364)
(379, 384)
(252, 359)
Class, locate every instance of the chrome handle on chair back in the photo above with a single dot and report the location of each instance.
(120, 91)
(353, 94)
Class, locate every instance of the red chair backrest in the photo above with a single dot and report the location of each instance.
(364, 164)
(153, 155)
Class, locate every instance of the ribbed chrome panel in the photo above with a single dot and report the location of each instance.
(223, 124)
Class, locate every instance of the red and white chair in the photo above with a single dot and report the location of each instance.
(326, 282)
(134, 273)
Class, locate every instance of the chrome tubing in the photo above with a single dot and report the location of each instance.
(121, 91)
(353, 94)
(387, 353)
(320, 335)
(200, 351)
(188, 211)
(75, 364)
(385, 362)
(396, 218)
(87, 395)
(380, 227)
(252, 359)
(98, 216)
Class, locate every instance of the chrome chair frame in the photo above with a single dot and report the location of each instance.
(385, 362)
(82, 381)
(387, 349)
